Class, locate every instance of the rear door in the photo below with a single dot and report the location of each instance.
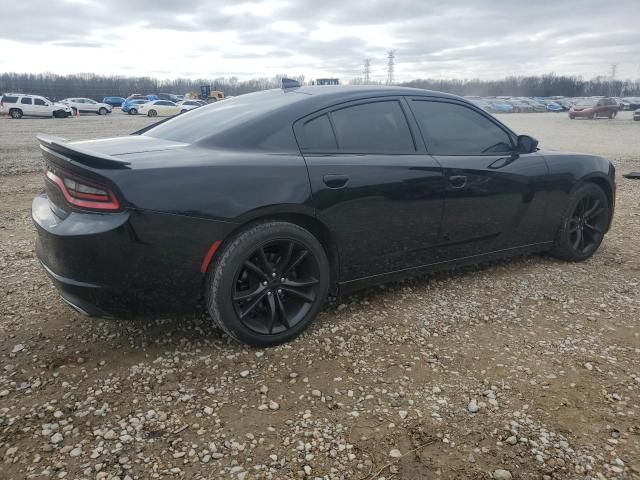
(373, 185)
(26, 105)
(495, 197)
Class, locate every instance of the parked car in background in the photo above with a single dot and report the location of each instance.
(519, 106)
(537, 106)
(552, 105)
(187, 105)
(114, 101)
(137, 96)
(180, 97)
(19, 105)
(636, 115)
(131, 106)
(265, 203)
(631, 103)
(168, 96)
(594, 108)
(159, 108)
(86, 105)
(500, 106)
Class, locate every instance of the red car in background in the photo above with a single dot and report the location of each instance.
(592, 108)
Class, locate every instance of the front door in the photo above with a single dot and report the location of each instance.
(495, 197)
(373, 185)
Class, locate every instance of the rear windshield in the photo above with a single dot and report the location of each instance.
(221, 116)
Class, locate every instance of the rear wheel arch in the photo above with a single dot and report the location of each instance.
(309, 223)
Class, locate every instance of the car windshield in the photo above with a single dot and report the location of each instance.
(586, 103)
(218, 117)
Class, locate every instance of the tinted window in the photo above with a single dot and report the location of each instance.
(26, 101)
(451, 129)
(9, 99)
(38, 101)
(317, 135)
(165, 103)
(373, 128)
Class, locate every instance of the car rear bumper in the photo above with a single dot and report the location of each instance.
(126, 263)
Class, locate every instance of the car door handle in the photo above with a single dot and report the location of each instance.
(457, 181)
(335, 181)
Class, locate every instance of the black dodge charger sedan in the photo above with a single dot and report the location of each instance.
(261, 205)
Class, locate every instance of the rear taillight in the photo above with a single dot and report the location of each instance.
(85, 194)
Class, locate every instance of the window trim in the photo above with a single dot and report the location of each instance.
(298, 125)
(510, 134)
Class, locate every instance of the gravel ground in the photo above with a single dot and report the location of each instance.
(523, 369)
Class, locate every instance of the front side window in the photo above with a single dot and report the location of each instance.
(378, 127)
(453, 129)
(39, 101)
(26, 101)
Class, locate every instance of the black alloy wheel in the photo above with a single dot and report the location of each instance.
(268, 283)
(276, 286)
(584, 224)
(587, 225)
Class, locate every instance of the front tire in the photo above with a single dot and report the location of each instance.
(268, 283)
(102, 111)
(152, 113)
(583, 224)
(133, 111)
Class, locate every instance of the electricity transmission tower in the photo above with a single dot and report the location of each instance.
(614, 70)
(391, 61)
(367, 71)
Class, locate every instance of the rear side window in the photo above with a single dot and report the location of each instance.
(378, 127)
(317, 135)
(38, 101)
(452, 129)
(9, 99)
(26, 101)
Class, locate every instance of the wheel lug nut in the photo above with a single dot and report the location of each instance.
(283, 280)
(269, 292)
(279, 290)
(273, 274)
(264, 283)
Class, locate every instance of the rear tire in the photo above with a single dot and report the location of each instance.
(583, 224)
(16, 113)
(268, 284)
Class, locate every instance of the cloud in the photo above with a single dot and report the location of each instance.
(437, 38)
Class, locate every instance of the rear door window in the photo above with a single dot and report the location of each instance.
(26, 101)
(317, 135)
(376, 127)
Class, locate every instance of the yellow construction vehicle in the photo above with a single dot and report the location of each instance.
(206, 94)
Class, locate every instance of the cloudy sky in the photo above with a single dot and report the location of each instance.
(432, 38)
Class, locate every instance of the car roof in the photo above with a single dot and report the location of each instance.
(338, 91)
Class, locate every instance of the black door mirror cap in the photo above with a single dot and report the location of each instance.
(527, 144)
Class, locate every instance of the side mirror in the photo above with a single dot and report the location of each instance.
(527, 144)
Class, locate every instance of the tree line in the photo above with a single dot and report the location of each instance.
(57, 87)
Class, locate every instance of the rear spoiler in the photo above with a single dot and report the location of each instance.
(60, 148)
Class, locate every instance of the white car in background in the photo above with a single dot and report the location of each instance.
(159, 108)
(19, 105)
(187, 105)
(86, 105)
